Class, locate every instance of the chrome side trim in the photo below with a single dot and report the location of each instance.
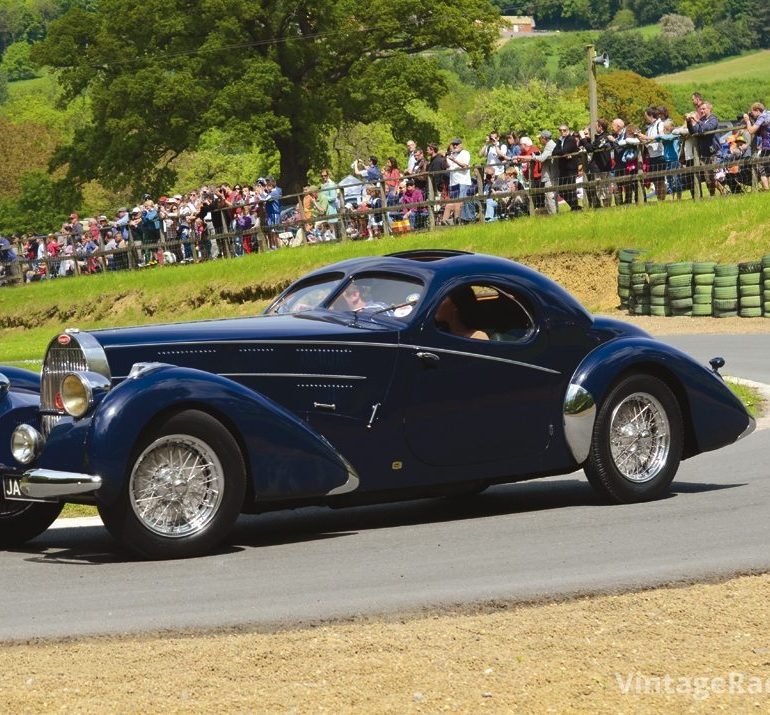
(749, 429)
(318, 376)
(579, 412)
(462, 353)
(52, 484)
(349, 486)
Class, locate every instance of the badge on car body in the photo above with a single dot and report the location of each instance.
(64, 339)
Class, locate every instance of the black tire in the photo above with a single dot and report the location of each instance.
(22, 521)
(649, 476)
(157, 526)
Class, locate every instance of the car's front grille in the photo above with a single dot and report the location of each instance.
(59, 360)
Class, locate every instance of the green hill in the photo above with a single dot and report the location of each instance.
(754, 65)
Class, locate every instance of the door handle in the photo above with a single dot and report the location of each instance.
(428, 357)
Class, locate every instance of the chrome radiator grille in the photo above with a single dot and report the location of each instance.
(59, 361)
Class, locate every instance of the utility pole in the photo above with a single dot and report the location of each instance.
(593, 60)
(593, 109)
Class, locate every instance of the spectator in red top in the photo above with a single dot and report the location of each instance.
(391, 175)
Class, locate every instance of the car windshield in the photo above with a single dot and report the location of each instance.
(305, 296)
(366, 296)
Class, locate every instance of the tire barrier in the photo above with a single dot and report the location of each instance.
(766, 285)
(698, 288)
(625, 258)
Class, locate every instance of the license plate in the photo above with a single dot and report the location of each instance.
(11, 488)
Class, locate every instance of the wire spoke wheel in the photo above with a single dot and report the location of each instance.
(637, 441)
(176, 486)
(640, 437)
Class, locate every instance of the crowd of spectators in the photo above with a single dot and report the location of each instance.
(515, 176)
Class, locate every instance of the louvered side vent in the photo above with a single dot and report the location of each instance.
(59, 361)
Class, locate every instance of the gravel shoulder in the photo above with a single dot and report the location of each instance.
(697, 648)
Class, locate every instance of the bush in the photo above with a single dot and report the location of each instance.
(673, 25)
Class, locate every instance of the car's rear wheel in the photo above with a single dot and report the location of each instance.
(637, 441)
(22, 521)
(184, 489)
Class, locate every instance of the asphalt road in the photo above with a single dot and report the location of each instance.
(541, 538)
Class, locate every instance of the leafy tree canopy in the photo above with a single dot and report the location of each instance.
(16, 63)
(283, 72)
(627, 95)
(528, 109)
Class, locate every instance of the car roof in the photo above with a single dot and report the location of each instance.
(439, 266)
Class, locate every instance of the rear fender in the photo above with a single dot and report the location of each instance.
(283, 456)
(713, 416)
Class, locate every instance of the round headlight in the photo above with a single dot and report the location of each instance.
(26, 444)
(75, 395)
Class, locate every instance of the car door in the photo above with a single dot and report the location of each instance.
(474, 401)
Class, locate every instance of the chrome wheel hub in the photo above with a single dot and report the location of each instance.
(640, 437)
(176, 486)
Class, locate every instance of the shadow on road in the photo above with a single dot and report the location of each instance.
(92, 545)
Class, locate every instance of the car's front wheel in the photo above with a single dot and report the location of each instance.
(637, 441)
(22, 521)
(184, 490)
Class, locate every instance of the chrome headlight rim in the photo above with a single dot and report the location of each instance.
(26, 444)
(5, 385)
(78, 391)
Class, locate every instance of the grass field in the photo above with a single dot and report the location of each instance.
(750, 66)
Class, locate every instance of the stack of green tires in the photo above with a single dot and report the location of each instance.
(750, 289)
(703, 287)
(725, 290)
(657, 279)
(766, 284)
(680, 287)
(625, 256)
(639, 300)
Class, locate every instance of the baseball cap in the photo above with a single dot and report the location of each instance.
(546, 134)
(456, 140)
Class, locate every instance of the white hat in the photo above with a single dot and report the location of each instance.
(526, 141)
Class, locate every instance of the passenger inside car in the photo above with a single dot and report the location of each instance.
(455, 312)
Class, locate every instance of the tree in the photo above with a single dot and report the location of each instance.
(624, 19)
(529, 108)
(282, 71)
(626, 95)
(649, 11)
(702, 12)
(43, 204)
(17, 63)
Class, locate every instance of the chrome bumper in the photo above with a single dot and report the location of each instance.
(50, 484)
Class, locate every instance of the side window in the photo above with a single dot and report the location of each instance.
(484, 312)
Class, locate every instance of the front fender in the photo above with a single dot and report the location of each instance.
(15, 408)
(22, 380)
(713, 416)
(283, 456)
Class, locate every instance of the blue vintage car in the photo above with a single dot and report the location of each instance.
(416, 374)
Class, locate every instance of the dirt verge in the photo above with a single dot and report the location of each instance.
(699, 648)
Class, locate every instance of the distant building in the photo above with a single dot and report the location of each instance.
(516, 25)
